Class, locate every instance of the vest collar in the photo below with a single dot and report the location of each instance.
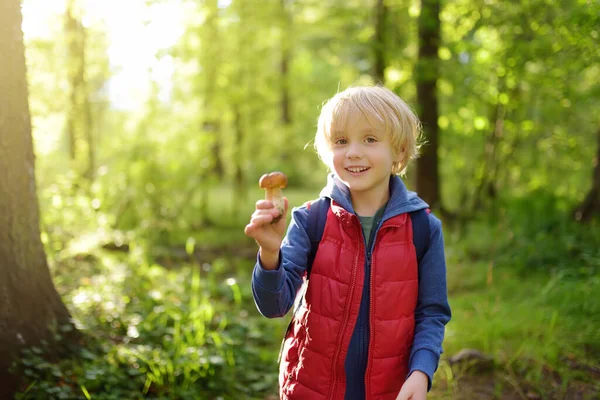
(401, 199)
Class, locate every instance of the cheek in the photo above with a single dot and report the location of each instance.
(337, 160)
(337, 155)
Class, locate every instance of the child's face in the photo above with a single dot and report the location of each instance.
(362, 156)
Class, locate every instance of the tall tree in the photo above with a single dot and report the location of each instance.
(79, 114)
(286, 24)
(591, 203)
(210, 58)
(29, 304)
(379, 44)
(428, 182)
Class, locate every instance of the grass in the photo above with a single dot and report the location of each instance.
(151, 332)
(522, 317)
(191, 331)
(540, 327)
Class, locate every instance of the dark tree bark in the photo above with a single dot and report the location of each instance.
(29, 304)
(427, 72)
(591, 203)
(379, 44)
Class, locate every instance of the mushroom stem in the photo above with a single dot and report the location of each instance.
(275, 196)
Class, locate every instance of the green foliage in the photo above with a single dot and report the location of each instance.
(535, 234)
(517, 93)
(515, 109)
(518, 289)
(521, 293)
(177, 172)
(155, 333)
(193, 331)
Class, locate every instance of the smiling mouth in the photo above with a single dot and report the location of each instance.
(357, 169)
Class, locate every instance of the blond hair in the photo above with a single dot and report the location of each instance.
(383, 109)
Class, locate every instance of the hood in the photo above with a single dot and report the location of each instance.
(401, 199)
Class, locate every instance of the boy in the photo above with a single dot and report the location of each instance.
(371, 322)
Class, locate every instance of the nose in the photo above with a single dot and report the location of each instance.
(354, 151)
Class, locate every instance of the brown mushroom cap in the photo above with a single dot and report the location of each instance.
(273, 180)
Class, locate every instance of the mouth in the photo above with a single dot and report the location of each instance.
(357, 170)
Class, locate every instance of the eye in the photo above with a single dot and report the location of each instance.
(371, 140)
(340, 141)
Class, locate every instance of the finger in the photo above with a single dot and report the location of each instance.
(285, 201)
(253, 228)
(260, 220)
(270, 211)
(264, 204)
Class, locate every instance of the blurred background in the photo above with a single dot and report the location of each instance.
(153, 120)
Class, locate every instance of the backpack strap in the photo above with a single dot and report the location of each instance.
(317, 217)
(421, 231)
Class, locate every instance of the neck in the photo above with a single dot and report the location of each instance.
(367, 204)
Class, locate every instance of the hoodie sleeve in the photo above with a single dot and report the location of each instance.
(433, 311)
(275, 290)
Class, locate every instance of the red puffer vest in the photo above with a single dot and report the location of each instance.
(312, 366)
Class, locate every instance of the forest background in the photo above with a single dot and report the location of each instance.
(150, 122)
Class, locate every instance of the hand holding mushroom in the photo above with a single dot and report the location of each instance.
(267, 223)
(273, 183)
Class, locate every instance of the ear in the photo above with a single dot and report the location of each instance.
(401, 155)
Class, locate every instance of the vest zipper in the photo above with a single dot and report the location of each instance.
(344, 321)
(371, 329)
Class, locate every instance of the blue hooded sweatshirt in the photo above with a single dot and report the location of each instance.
(275, 290)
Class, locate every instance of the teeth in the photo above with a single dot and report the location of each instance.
(357, 169)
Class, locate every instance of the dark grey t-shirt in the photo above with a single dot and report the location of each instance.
(368, 223)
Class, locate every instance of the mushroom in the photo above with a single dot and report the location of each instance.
(273, 183)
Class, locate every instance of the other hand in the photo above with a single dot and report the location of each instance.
(415, 387)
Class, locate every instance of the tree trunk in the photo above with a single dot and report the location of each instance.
(240, 191)
(591, 203)
(211, 63)
(486, 188)
(88, 122)
(241, 104)
(284, 69)
(286, 118)
(379, 45)
(79, 114)
(427, 71)
(29, 303)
